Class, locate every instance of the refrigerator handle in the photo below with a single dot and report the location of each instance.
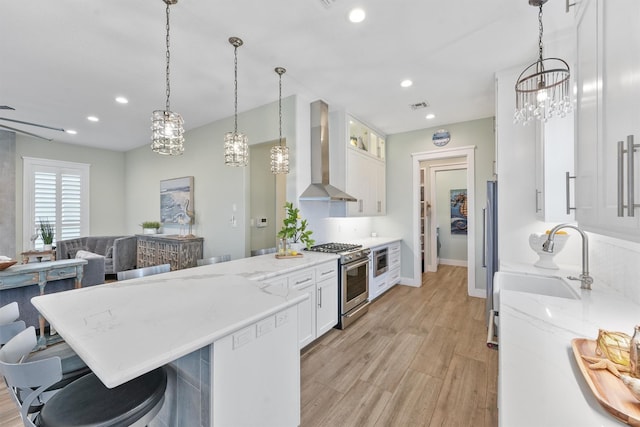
(484, 237)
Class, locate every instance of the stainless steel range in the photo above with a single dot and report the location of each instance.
(353, 280)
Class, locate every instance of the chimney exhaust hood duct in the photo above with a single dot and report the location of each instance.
(320, 189)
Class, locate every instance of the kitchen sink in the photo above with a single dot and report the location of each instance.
(552, 286)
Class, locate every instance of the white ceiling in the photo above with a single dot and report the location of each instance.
(63, 60)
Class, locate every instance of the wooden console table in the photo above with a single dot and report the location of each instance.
(26, 256)
(39, 273)
(180, 252)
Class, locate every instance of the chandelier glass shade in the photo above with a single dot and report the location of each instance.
(543, 89)
(236, 148)
(280, 152)
(168, 133)
(167, 137)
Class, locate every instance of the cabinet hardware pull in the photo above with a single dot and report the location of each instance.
(568, 192)
(630, 151)
(320, 297)
(538, 192)
(630, 176)
(484, 237)
(620, 178)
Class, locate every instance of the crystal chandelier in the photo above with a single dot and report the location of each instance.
(166, 126)
(236, 150)
(280, 152)
(542, 89)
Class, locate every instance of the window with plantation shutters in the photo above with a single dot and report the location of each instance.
(57, 192)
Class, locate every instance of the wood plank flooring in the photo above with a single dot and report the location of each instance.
(417, 358)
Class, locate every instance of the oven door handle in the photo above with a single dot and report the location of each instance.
(356, 264)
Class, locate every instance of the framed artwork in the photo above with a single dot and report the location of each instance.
(459, 211)
(176, 200)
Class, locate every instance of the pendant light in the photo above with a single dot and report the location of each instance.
(280, 152)
(542, 89)
(167, 127)
(236, 150)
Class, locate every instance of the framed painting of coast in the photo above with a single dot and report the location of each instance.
(176, 200)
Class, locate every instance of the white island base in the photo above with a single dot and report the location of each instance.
(230, 344)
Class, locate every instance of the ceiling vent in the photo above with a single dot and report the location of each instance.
(327, 3)
(419, 105)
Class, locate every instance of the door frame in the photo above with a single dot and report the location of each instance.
(467, 152)
(432, 264)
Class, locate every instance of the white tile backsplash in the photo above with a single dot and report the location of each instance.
(615, 263)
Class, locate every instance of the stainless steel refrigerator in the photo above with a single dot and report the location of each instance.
(490, 254)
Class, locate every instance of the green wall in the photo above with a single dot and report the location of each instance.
(400, 147)
(107, 185)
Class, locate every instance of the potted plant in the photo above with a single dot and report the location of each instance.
(46, 231)
(294, 229)
(150, 227)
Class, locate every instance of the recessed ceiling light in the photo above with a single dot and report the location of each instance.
(122, 100)
(357, 15)
(406, 83)
(71, 131)
(430, 116)
(93, 119)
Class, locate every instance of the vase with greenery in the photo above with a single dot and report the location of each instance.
(46, 231)
(294, 228)
(150, 227)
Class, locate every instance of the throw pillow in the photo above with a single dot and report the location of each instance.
(87, 255)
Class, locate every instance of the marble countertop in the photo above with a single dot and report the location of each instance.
(540, 383)
(124, 329)
(372, 242)
(264, 267)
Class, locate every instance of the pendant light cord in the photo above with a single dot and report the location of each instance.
(540, 31)
(280, 105)
(168, 57)
(235, 88)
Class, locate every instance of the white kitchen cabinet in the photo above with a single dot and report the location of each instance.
(608, 108)
(319, 313)
(380, 284)
(555, 201)
(365, 182)
(358, 158)
(305, 282)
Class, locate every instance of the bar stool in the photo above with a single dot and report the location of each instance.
(83, 403)
(145, 271)
(73, 367)
(214, 260)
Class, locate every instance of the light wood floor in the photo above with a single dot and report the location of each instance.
(418, 358)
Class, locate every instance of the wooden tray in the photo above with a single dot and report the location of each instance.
(6, 264)
(609, 390)
(298, 255)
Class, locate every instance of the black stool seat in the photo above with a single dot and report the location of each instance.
(87, 402)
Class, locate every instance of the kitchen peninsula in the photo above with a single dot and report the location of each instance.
(247, 328)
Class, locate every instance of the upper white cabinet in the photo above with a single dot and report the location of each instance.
(361, 150)
(555, 170)
(608, 112)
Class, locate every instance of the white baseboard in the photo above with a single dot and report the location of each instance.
(455, 262)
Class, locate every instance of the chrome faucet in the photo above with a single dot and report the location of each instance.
(584, 278)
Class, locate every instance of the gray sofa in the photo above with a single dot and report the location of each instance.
(119, 251)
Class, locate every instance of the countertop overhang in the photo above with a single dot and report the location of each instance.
(125, 329)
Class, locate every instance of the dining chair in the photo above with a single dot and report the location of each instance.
(144, 271)
(214, 260)
(85, 402)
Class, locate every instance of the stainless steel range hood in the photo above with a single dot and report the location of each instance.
(320, 189)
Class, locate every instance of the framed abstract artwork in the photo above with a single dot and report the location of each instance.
(176, 200)
(459, 211)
